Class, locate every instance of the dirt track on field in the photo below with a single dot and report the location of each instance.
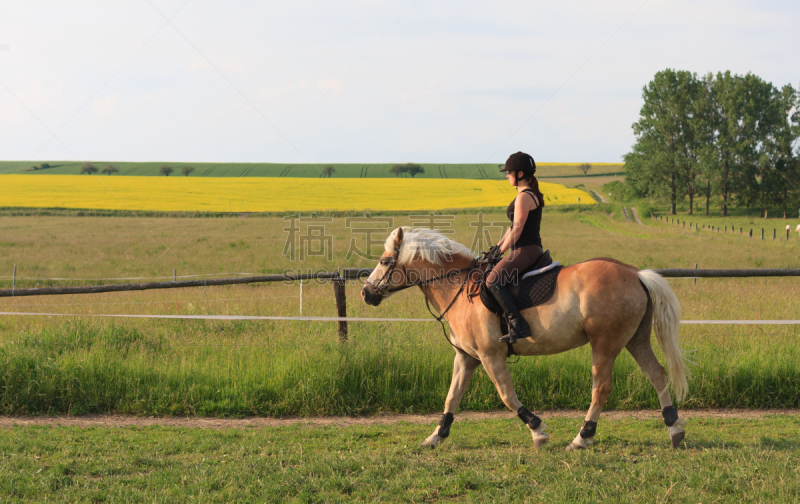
(253, 422)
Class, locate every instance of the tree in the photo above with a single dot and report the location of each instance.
(88, 168)
(109, 169)
(328, 171)
(585, 167)
(414, 169)
(398, 170)
(165, 170)
(186, 170)
(663, 158)
(745, 114)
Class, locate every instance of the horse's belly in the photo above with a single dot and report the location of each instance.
(553, 332)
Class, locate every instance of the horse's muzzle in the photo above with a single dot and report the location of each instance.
(371, 296)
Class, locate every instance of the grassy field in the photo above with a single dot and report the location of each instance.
(78, 365)
(347, 170)
(263, 194)
(81, 364)
(746, 460)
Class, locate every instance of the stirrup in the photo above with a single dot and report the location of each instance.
(513, 336)
(507, 338)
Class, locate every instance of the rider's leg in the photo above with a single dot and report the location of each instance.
(504, 272)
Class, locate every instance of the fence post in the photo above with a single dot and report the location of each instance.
(762, 233)
(14, 279)
(341, 304)
(695, 278)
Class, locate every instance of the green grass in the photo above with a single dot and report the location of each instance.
(343, 170)
(279, 369)
(737, 461)
(79, 365)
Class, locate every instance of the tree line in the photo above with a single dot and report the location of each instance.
(166, 170)
(730, 138)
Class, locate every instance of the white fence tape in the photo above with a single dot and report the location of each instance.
(223, 317)
(340, 319)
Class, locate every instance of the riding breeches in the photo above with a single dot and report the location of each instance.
(513, 264)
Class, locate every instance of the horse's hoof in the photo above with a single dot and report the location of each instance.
(540, 437)
(676, 432)
(580, 443)
(431, 442)
(677, 438)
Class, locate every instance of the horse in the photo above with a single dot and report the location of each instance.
(603, 302)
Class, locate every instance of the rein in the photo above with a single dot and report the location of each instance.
(424, 283)
(460, 290)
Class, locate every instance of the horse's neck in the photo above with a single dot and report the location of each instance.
(440, 293)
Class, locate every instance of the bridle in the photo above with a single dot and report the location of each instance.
(382, 285)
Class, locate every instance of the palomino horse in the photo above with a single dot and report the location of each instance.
(603, 302)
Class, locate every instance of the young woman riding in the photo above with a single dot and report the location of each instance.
(522, 239)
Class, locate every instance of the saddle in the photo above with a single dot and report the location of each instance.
(534, 286)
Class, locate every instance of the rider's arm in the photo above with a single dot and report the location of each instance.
(521, 208)
(503, 239)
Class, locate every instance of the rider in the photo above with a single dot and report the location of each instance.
(525, 213)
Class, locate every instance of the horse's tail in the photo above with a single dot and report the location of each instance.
(666, 317)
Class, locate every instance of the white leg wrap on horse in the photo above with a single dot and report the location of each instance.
(580, 443)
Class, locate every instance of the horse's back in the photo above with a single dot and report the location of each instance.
(593, 299)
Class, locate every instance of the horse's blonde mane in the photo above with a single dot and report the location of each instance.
(426, 244)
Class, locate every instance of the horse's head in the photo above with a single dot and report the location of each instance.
(385, 275)
(414, 257)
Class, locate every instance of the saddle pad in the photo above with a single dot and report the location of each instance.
(530, 292)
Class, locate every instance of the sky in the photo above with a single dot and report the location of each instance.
(365, 81)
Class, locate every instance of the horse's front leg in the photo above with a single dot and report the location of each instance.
(497, 369)
(463, 368)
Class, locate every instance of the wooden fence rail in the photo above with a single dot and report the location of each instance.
(339, 277)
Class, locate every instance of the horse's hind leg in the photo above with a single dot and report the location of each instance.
(463, 368)
(642, 352)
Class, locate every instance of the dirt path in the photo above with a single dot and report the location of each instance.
(636, 216)
(239, 423)
(598, 196)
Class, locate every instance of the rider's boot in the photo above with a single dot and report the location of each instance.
(518, 327)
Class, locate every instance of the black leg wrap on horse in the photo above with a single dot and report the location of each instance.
(588, 430)
(444, 425)
(529, 418)
(670, 415)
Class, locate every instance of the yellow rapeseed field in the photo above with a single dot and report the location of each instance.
(262, 194)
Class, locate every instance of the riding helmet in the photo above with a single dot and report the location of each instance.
(520, 162)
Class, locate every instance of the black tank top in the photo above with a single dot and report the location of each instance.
(531, 229)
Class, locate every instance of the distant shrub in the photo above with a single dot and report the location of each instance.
(88, 168)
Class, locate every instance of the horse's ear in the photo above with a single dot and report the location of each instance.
(398, 238)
